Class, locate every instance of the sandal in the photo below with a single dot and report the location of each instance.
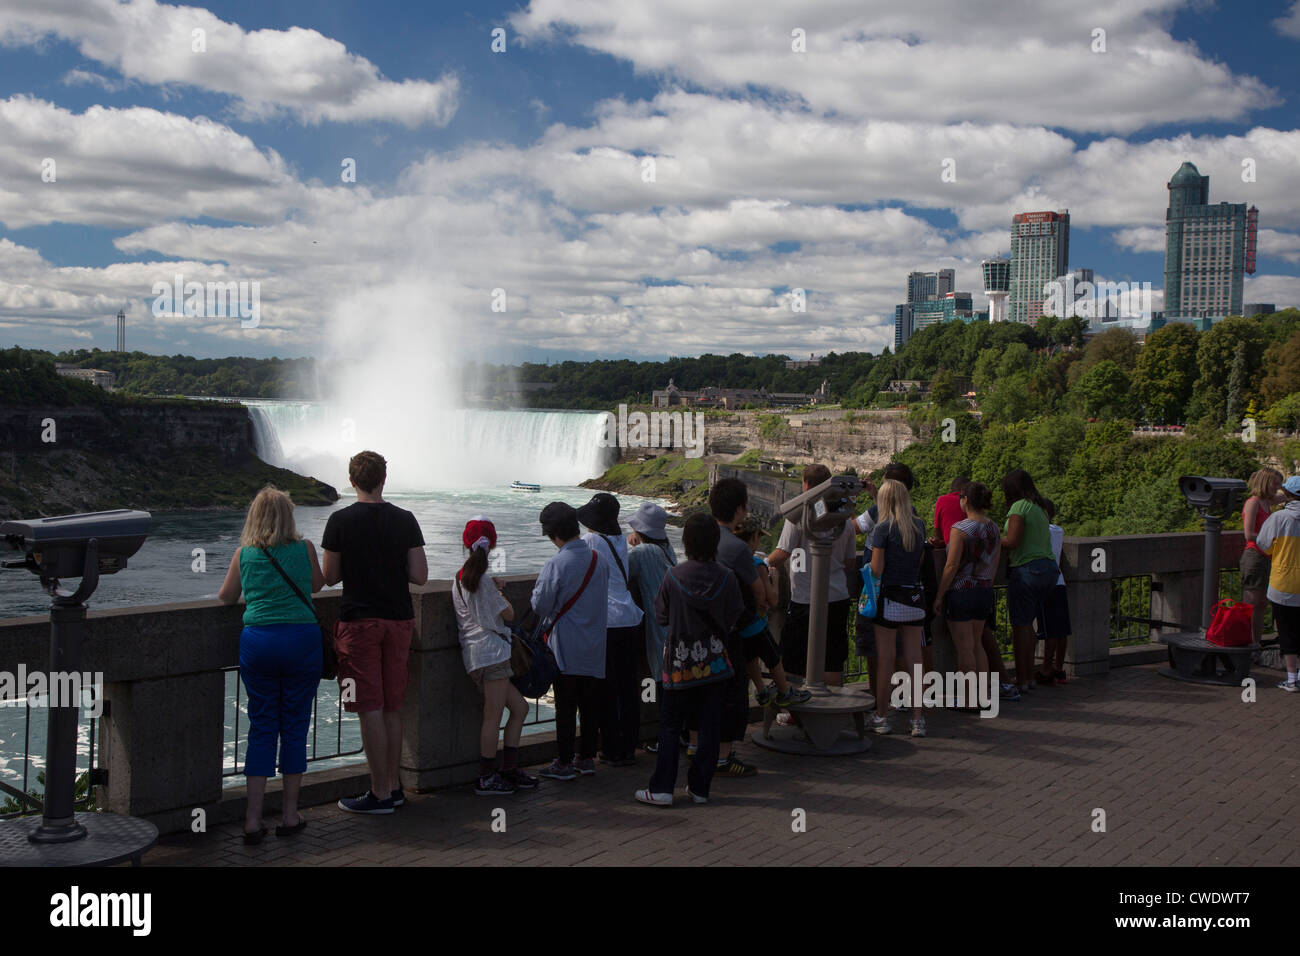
(298, 827)
(255, 837)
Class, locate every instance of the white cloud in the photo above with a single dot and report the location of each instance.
(1290, 23)
(296, 72)
(979, 60)
(108, 169)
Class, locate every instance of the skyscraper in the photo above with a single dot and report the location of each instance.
(902, 325)
(121, 330)
(1040, 251)
(1207, 249)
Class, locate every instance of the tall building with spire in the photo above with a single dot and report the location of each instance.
(1208, 249)
(1040, 251)
(121, 330)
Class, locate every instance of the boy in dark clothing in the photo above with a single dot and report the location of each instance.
(699, 602)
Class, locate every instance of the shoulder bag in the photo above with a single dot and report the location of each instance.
(329, 663)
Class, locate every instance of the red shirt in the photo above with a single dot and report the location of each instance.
(1261, 515)
(947, 512)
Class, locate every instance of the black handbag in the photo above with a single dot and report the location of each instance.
(329, 662)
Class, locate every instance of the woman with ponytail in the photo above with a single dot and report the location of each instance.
(481, 615)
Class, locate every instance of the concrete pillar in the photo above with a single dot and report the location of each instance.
(1088, 650)
(161, 743)
(443, 710)
(1176, 596)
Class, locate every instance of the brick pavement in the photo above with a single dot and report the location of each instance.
(1187, 775)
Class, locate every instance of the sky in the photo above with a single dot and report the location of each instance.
(577, 179)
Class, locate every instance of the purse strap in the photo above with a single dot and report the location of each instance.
(617, 559)
(591, 569)
(288, 580)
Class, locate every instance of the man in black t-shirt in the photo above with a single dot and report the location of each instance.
(376, 550)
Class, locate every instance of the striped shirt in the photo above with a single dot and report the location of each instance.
(1279, 538)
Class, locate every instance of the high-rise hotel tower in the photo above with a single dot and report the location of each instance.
(1207, 249)
(1040, 252)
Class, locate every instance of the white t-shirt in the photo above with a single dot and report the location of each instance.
(1058, 539)
(623, 611)
(843, 554)
(484, 637)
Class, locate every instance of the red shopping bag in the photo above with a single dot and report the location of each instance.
(1231, 625)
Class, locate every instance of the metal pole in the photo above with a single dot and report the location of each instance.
(67, 627)
(818, 593)
(58, 823)
(1210, 577)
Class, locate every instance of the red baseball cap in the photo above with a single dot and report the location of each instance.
(476, 528)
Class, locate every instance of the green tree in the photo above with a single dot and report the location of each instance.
(1104, 391)
(1281, 370)
(1166, 373)
(1215, 357)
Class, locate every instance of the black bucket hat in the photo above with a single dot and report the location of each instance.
(600, 514)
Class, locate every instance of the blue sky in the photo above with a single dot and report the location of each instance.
(524, 171)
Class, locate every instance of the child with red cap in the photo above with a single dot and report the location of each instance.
(481, 615)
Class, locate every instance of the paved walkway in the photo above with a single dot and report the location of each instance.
(1186, 775)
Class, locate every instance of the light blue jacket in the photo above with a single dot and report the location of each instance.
(578, 638)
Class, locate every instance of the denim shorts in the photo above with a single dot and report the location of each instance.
(1028, 586)
(969, 604)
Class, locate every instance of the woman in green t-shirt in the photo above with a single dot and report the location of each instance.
(279, 652)
(1032, 569)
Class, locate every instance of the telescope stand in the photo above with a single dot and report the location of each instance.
(63, 836)
(832, 723)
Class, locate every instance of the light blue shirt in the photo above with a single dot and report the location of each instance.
(647, 565)
(578, 638)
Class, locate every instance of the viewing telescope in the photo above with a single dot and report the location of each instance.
(825, 507)
(1212, 494)
(57, 547)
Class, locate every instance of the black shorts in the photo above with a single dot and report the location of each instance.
(761, 646)
(794, 637)
(1054, 615)
(1287, 619)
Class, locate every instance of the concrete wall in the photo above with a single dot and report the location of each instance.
(161, 737)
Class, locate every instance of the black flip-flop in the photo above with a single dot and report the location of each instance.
(290, 831)
(255, 837)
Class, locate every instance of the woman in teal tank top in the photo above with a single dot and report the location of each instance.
(279, 652)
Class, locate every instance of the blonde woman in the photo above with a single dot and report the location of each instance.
(1265, 492)
(279, 652)
(897, 549)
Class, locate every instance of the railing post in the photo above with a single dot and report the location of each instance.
(1088, 586)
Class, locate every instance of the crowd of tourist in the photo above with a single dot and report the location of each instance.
(614, 605)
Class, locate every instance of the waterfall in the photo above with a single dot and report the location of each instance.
(444, 450)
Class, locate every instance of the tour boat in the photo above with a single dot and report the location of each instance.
(524, 486)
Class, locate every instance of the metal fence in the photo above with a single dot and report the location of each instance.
(22, 792)
(338, 724)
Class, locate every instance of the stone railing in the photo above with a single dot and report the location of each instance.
(161, 737)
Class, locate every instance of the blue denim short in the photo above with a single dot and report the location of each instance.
(968, 604)
(1028, 586)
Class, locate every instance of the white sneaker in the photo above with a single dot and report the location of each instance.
(1290, 686)
(880, 725)
(654, 799)
(695, 797)
(918, 727)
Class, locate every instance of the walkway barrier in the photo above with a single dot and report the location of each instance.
(161, 747)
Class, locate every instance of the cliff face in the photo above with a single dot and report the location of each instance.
(155, 456)
(866, 443)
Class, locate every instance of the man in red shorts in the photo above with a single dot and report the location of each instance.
(375, 549)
